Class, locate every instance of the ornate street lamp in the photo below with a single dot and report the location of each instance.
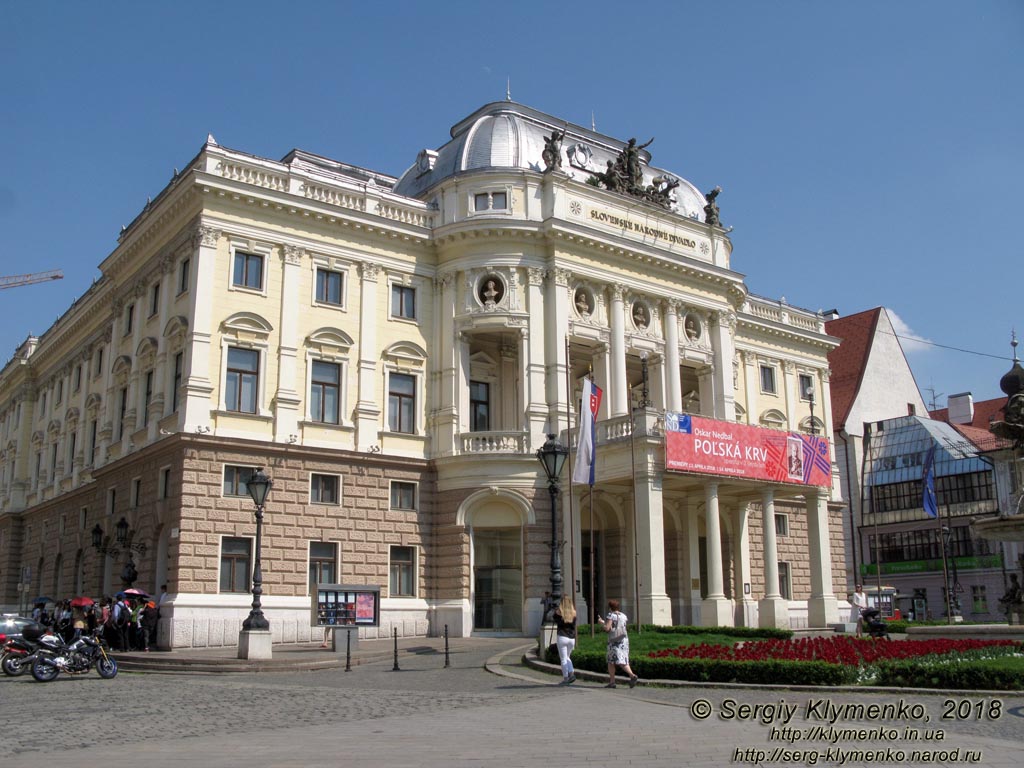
(809, 394)
(123, 536)
(259, 488)
(552, 456)
(645, 392)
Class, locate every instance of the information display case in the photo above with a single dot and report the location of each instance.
(346, 606)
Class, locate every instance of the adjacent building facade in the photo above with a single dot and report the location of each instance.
(393, 351)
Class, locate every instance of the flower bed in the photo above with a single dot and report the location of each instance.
(846, 650)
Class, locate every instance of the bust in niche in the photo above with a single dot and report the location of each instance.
(640, 317)
(692, 328)
(582, 303)
(491, 292)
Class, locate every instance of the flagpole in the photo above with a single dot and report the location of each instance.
(568, 440)
(868, 461)
(593, 577)
(636, 541)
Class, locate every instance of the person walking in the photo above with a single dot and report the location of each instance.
(565, 626)
(618, 643)
(147, 625)
(859, 603)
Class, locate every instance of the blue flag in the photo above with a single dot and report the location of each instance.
(931, 505)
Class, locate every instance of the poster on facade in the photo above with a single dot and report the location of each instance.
(697, 444)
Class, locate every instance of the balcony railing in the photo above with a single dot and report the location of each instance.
(495, 442)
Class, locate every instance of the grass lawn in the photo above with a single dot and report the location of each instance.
(645, 642)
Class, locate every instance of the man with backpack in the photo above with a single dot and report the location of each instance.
(120, 617)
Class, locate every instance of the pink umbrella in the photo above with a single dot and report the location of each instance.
(82, 602)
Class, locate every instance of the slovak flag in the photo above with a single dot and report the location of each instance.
(928, 500)
(583, 471)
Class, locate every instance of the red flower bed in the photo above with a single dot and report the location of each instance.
(841, 649)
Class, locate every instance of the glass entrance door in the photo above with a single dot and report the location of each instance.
(497, 580)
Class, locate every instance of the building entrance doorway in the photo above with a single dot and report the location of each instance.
(497, 580)
(592, 588)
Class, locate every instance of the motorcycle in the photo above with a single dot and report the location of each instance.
(19, 653)
(75, 658)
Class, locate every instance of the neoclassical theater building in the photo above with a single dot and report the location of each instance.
(393, 352)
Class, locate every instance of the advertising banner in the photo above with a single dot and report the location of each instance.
(697, 444)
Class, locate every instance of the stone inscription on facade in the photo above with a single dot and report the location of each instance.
(640, 229)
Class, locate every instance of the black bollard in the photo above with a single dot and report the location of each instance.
(447, 662)
(395, 668)
(348, 650)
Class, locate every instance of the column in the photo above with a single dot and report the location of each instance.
(618, 391)
(706, 390)
(746, 607)
(161, 382)
(533, 358)
(772, 610)
(367, 409)
(287, 400)
(752, 382)
(693, 560)
(197, 389)
(822, 608)
(655, 607)
(716, 609)
(602, 372)
(556, 321)
(81, 430)
(789, 387)
(722, 330)
(443, 364)
(673, 387)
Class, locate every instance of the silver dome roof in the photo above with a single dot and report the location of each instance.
(504, 135)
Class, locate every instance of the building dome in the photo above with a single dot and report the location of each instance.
(505, 135)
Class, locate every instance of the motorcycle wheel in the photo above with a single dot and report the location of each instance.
(12, 665)
(106, 667)
(44, 672)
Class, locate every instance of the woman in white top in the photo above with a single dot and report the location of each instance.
(859, 603)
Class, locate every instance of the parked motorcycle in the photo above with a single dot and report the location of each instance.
(19, 653)
(75, 658)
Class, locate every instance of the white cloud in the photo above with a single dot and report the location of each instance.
(911, 341)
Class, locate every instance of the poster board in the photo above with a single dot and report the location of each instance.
(345, 606)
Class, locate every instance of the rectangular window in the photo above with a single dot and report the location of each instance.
(234, 564)
(768, 379)
(154, 299)
(122, 409)
(83, 516)
(76, 379)
(402, 403)
(403, 495)
(403, 302)
(979, 600)
(781, 525)
(165, 482)
(147, 398)
(71, 450)
(323, 563)
(136, 492)
(111, 500)
(98, 363)
(479, 406)
(93, 427)
(235, 479)
(784, 584)
(129, 318)
(179, 362)
(324, 489)
(402, 583)
(53, 461)
(60, 392)
(183, 276)
(806, 384)
(325, 391)
(329, 286)
(42, 407)
(248, 272)
(490, 201)
(242, 386)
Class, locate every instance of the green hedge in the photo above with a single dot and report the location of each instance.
(720, 671)
(987, 674)
(740, 633)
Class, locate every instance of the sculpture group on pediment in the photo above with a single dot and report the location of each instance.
(625, 175)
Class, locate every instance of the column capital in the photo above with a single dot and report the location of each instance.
(535, 275)
(205, 236)
(369, 271)
(292, 254)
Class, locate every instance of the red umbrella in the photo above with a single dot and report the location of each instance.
(82, 602)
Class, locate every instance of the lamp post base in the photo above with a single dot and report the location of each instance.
(254, 644)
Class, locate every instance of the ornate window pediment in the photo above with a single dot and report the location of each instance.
(405, 354)
(93, 403)
(121, 369)
(773, 419)
(243, 323)
(330, 340)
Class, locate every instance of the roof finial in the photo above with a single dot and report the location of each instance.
(508, 89)
(1013, 343)
(593, 125)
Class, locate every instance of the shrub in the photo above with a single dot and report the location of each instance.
(988, 674)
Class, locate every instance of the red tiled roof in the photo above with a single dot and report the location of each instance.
(848, 361)
(981, 437)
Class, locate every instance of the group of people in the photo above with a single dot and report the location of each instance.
(127, 622)
(614, 625)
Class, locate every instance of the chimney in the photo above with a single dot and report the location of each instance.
(961, 408)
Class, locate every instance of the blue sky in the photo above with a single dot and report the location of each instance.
(870, 153)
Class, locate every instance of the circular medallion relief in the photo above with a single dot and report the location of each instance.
(491, 290)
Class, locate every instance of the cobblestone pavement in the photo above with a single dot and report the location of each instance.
(426, 715)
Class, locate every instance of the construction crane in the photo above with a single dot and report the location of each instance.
(13, 281)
